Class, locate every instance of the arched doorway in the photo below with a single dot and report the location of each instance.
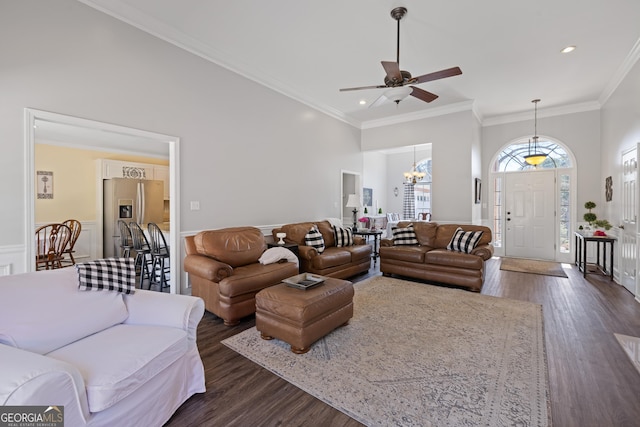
(533, 206)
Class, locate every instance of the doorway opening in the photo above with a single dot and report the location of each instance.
(152, 141)
(526, 198)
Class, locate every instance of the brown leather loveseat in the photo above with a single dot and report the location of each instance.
(430, 260)
(225, 271)
(337, 262)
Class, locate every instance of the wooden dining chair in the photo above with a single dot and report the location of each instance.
(161, 266)
(76, 227)
(51, 242)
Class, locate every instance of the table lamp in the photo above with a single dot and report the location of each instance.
(281, 236)
(353, 202)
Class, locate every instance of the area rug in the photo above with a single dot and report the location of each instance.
(521, 265)
(631, 346)
(421, 355)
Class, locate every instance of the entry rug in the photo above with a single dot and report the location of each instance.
(547, 268)
(631, 346)
(422, 355)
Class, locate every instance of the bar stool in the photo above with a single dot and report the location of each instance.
(126, 242)
(160, 253)
(142, 248)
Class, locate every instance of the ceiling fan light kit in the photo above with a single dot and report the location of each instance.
(396, 78)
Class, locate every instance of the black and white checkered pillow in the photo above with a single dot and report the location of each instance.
(314, 239)
(464, 241)
(111, 274)
(404, 236)
(344, 236)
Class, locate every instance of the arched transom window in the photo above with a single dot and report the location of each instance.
(511, 159)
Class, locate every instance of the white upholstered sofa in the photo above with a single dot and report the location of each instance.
(110, 359)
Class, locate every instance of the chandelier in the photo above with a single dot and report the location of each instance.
(535, 158)
(414, 176)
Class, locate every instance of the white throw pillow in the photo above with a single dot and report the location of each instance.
(275, 254)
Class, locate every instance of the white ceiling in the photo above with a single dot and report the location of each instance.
(508, 50)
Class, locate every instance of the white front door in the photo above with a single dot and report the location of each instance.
(530, 215)
(628, 240)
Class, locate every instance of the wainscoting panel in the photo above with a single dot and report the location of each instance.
(12, 260)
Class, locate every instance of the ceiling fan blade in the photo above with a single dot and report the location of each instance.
(362, 87)
(422, 94)
(393, 71)
(449, 72)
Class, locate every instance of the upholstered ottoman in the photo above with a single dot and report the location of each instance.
(301, 317)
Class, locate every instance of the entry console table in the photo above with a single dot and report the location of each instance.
(582, 241)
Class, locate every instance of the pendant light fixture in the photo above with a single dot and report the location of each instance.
(414, 176)
(535, 158)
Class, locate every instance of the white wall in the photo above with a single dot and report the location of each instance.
(451, 137)
(375, 177)
(579, 132)
(620, 131)
(248, 154)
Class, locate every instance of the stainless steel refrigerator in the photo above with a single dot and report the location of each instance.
(130, 200)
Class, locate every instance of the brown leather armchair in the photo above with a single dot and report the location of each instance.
(224, 270)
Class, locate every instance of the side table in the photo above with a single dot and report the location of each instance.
(377, 235)
(581, 241)
(293, 247)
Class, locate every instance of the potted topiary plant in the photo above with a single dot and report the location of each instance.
(590, 217)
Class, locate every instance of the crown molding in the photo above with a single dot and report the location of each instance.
(622, 72)
(418, 115)
(547, 112)
(144, 22)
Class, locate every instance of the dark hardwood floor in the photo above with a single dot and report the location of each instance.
(592, 382)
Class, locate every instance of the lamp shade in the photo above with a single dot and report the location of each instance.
(353, 201)
(535, 159)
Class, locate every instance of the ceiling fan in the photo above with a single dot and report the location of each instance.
(399, 81)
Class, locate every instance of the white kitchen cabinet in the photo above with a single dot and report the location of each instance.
(121, 169)
(162, 173)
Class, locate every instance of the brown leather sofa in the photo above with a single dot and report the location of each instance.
(225, 272)
(431, 261)
(340, 263)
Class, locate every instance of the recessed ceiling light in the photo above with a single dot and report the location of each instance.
(568, 49)
(362, 102)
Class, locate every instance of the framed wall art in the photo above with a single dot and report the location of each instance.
(478, 191)
(367, 197)
(608, 188)
(44, 180)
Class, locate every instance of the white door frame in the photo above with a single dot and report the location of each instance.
(30, 117)
(355, 188)
(571, 171)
